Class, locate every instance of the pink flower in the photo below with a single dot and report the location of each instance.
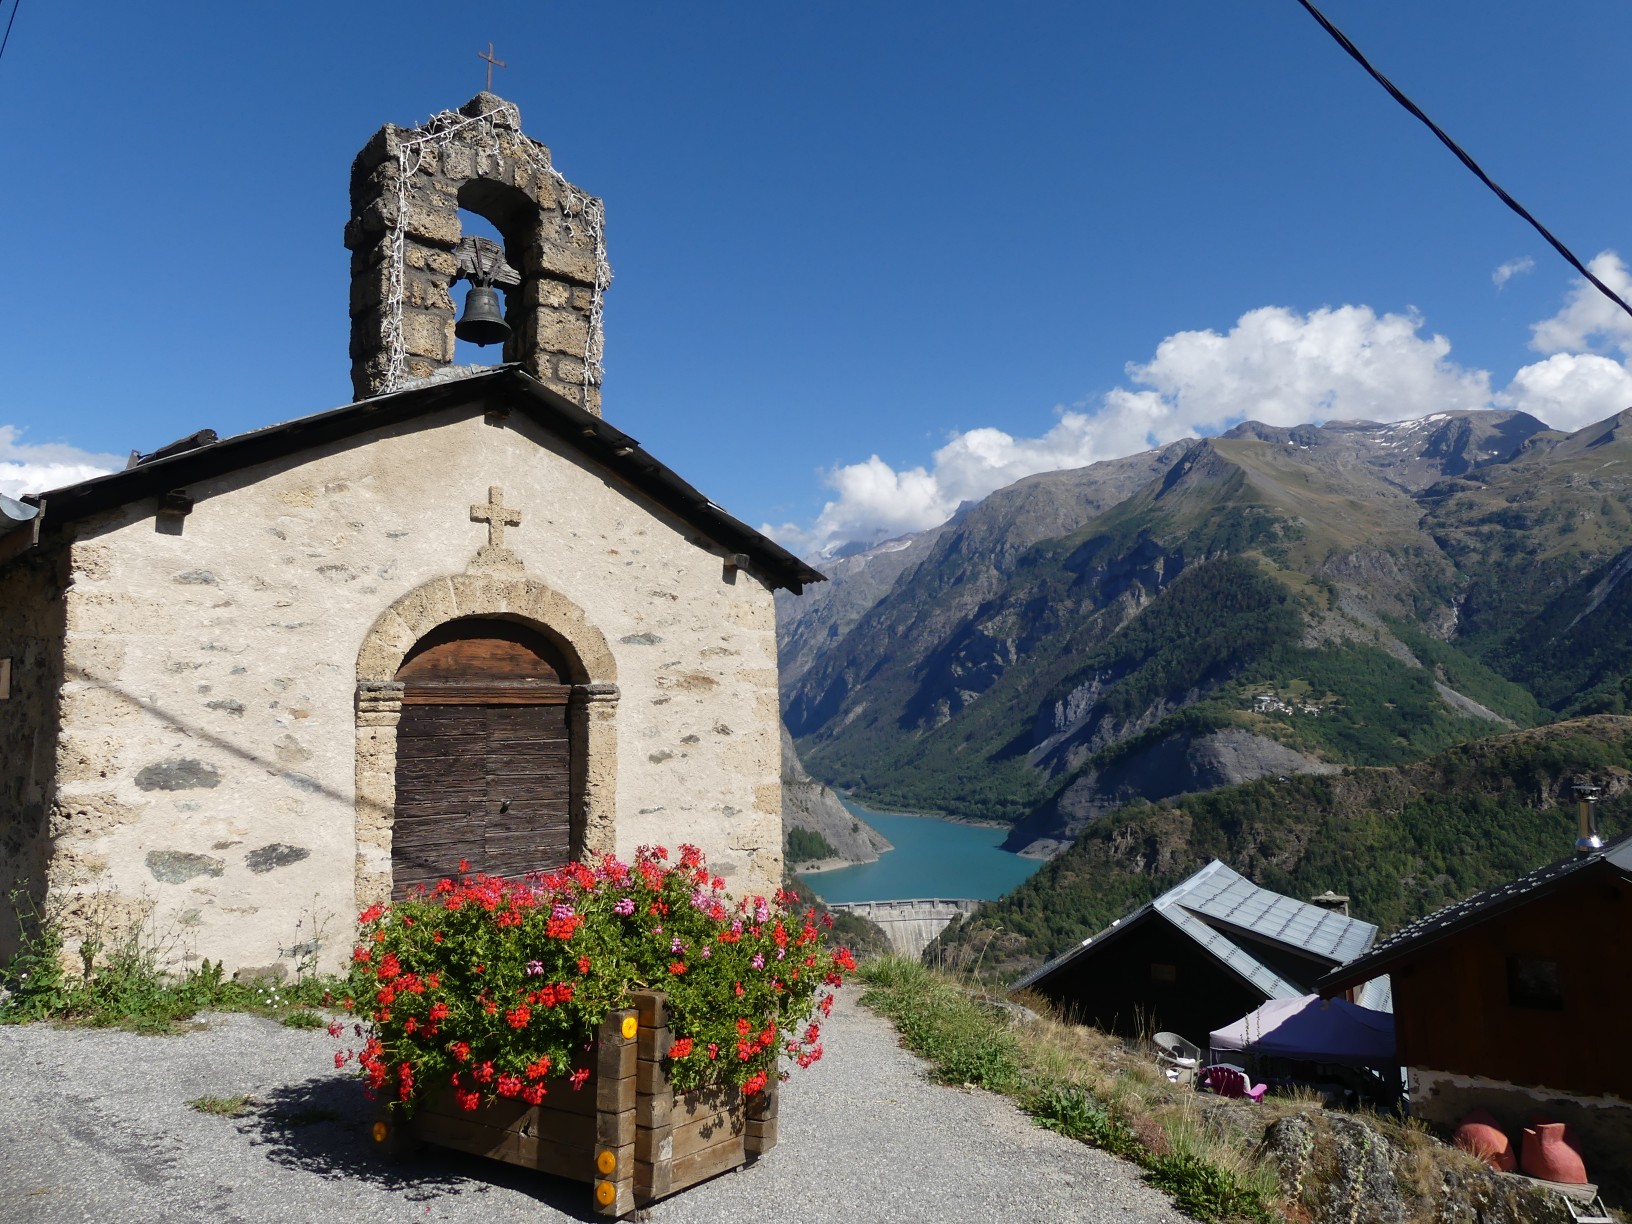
(624, 907)
(534, 968)
(759, 960)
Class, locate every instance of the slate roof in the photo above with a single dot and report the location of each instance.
(1617, 856)
(506, 387)
(1215, 901)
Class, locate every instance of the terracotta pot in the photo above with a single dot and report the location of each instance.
(1549, 1155)
(1480, 1135)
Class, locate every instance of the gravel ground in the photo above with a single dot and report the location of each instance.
(95, 1126)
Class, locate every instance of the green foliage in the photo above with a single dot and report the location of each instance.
(1215, 618)
(965, 1043)
(804, 845)
(122, 982)
(304, 1019)
(1400, 841)
(1205, 1190)
(1384, 712)
(1072, 1112)
(1472, 678)
(221, 1106)
(497, 986)
(1209, 622)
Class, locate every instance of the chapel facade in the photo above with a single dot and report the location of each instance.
(255, 684)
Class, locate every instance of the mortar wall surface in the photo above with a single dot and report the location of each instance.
(209, 708)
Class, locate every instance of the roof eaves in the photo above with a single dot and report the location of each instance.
(1471, 911)
(1092, 943)
(597, 439)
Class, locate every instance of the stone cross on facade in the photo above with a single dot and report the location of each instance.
(496, 515)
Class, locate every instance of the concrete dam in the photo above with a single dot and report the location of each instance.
(911, 925)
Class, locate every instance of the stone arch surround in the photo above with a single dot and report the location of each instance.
(591, 712)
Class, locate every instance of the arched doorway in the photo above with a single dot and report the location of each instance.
(486, 755)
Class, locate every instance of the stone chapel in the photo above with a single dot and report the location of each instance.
(250, 685)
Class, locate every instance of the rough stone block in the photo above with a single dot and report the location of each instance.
(431, 259)
(428, 334)
(423, 609)
(425, 222)
(459, 162)
(542, 292)
(552, 259)
(561, 331)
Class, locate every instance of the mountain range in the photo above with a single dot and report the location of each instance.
(1269, 603)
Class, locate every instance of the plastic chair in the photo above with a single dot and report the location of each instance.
(1178, 1056)
(1230, 1081)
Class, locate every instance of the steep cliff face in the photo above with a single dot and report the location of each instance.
(808, 623)
(808, 805)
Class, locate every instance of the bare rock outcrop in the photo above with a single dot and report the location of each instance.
(1341, 1168)
(807, 804)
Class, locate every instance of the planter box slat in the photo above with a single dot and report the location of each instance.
(575, 1159)
(688, 1170)
(615, 1129)
(655, 1042)
(626, 1132)
(691, 1137)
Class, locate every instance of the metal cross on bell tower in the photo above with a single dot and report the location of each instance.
(491, 64)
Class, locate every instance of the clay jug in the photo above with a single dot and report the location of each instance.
(1480, 1135)
(1548, 1154)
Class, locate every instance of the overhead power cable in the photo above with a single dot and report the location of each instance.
(15, 5)
(1461, 155)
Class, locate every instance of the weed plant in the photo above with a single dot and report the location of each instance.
(121, 982)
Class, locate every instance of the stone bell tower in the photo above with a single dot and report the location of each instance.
(407, 252)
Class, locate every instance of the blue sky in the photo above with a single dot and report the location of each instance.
(870, 259)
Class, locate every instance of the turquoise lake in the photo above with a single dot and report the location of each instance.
(932, 858)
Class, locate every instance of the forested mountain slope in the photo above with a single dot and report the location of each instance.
(1400, 841)
(1269, 602)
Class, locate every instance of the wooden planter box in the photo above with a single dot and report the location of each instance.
(625, 1131)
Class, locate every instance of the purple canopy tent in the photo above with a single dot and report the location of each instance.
(1313, 1029)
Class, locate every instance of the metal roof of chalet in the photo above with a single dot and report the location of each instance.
(505, 387)
(1475, 909)
(1217, 900)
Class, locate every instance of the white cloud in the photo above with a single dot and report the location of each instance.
(1576, 384)
(1570, 390)
(1274, 365)
(29, 468)
(1510, 269)
(1589, 322)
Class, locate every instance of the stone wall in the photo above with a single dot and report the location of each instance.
(31, 634)
(1602, 1125)
(409, 184)
(216, 731)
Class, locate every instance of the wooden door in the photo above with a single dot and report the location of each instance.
(484, 756)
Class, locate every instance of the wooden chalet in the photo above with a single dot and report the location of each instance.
(1516, 1000)
(1203, 954)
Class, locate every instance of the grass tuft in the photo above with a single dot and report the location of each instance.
(222, 1106)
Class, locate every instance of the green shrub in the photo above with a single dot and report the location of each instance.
(1206, 1190)
(805, 845)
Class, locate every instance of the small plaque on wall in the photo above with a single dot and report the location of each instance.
(5, 679)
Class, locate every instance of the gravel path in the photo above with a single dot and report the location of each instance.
(94, 1126)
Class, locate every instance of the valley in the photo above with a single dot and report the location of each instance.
(1180, 652)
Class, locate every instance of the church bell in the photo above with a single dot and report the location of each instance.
(483, 321)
